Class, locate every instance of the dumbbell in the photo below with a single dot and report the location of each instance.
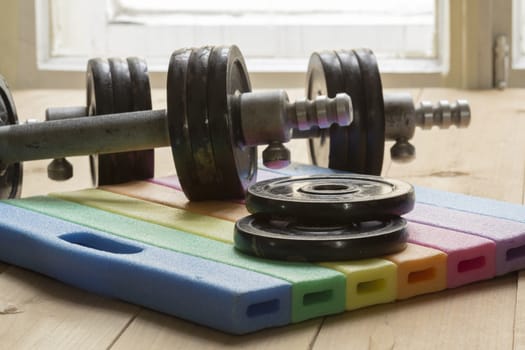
(359, 147)
(209, 124)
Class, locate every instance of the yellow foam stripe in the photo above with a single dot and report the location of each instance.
(174, 198)
(368, 282)
(420, 270)
(183, 220)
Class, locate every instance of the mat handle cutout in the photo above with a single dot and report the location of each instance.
(93, 241)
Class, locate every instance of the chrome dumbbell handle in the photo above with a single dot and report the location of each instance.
(270, 118)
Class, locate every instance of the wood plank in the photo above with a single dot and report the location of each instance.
(519, 324)
(436, 321)
(152, 330)
(45, 314)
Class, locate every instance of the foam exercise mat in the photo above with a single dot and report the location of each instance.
(145, 243)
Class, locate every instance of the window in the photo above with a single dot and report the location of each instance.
(274, 36)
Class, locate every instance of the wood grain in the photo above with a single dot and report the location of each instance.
(45, 314)
(479, 316)
(152, 330)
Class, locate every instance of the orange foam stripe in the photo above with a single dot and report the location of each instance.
(420, 270)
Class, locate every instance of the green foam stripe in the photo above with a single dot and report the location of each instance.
(316, 291)
(178, 219)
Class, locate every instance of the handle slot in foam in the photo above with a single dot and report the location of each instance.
(90, 240)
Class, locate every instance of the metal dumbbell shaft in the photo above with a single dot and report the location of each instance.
(82, 136)
(68, 133)
(270, 117)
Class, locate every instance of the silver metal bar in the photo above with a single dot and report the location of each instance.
(83, 136)
(59, 113)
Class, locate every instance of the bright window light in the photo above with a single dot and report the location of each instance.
(273, 35)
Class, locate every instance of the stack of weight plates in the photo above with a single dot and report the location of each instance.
(325, 218)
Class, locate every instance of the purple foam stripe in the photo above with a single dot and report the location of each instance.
(509, 236)
(267, 175)
(168, 181)
(469, 258)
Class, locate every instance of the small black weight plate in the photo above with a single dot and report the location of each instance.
(324, 77)
(331, 198)
(205, 175)
(10, 175)
(348, 143)
(130, 91)
(178, 88)
(188, 122)
(236, 164)
(99, 89)
(287, 240)
(143, 162)
(375, 117)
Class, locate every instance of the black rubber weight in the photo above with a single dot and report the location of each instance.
(286, 240)
(203, 124)
(11, 176)
(341, 198)
(348, 143)
(197, 118)
(129, 90)
(236, 165)
(177, 113)
(375, 116)
(324, 77)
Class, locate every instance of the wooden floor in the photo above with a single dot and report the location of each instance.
(488, 159)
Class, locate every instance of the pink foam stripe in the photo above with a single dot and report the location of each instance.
(469, 258)
(509, 236)
(168, 181)
(267, 175)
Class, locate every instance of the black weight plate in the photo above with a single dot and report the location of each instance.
(127, 84)
(348, 143)
(196, 100)
(375, 117)
(178, 87)
(99, 89)
(10, 175)
(287, 240)
(324, 77)
(142, 162)
(188, 122)
(331, 198)
(236, 164)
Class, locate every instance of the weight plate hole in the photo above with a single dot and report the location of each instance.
(328, 188)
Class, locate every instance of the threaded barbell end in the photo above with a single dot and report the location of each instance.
(321, 112)
(443, 114)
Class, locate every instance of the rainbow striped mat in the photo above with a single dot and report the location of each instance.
(145, 243)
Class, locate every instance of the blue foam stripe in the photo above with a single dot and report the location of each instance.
(471, 204)
(217, 295)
